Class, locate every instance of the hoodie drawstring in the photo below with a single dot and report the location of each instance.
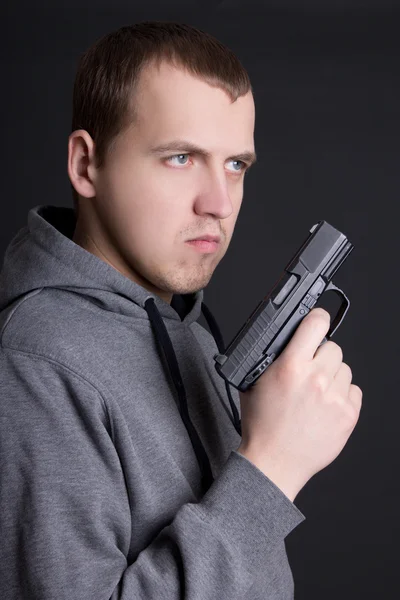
(217, 335)
(162, 336)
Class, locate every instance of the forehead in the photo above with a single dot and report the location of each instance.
(170, 102)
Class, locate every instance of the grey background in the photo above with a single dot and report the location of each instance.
(326, 82)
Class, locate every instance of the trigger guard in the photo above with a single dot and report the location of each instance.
(344, 307)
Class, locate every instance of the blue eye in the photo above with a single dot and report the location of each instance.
(241, 164)
(182, 160)
(178, 156)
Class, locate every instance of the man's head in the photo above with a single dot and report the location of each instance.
(162, 133)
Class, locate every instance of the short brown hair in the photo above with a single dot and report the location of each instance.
(108, 72)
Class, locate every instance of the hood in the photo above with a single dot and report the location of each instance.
(43, 255)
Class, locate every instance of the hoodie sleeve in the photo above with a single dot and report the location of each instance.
(66, 520)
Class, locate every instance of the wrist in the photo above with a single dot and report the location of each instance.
(278, 473)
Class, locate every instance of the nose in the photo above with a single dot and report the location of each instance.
(213, 197)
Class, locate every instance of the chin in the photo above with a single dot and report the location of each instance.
(186, 289)
(190, 286)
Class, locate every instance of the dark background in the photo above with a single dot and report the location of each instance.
(327, 90)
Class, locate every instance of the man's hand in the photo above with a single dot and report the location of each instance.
(299, 414)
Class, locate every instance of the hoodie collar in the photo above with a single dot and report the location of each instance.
(42, 254)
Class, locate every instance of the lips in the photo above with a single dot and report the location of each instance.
(207, 238)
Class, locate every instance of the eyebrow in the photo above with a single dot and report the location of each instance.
(176, 145)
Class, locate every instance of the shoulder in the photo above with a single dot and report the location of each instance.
(49, 324)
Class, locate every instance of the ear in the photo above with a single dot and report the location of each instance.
(81, 163)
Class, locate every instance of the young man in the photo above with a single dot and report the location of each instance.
(123, 471)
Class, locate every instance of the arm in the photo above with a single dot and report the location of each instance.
(65, 517)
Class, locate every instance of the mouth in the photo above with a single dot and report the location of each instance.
(204, 244)
(207, 238)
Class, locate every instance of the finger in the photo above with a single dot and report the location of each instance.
(355, 396)
(309, 334)
(328, 358)
(342, 380)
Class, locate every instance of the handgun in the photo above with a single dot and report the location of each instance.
(273, 322)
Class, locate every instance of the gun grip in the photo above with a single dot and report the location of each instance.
(344, 307)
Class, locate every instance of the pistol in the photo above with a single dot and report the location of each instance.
(273, 322)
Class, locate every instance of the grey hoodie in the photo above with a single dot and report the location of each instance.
(119, 475)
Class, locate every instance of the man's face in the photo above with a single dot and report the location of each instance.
(149, 202)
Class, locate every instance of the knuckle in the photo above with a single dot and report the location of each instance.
(320, 382)
(347, 413)
(335, 348)
(352, 407)
(350, 417)
(354, 414)
(338, 350)
(345, 367)
(289, 369)
(357, 393)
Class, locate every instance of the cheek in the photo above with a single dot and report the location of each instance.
(144, 219)
(155, 188)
